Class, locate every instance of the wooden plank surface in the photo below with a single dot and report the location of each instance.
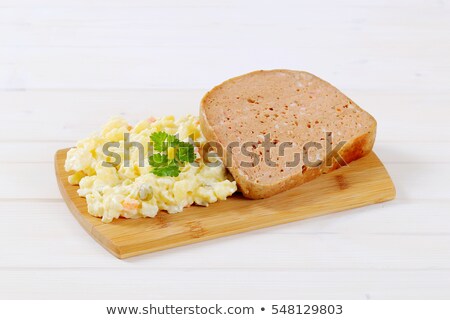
(283, 284)
(362, 182)
(66, 67)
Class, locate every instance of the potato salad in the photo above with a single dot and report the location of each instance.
(132, 187)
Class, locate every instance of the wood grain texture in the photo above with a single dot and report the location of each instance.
(76, 113)
(363, 182)
(66, 67)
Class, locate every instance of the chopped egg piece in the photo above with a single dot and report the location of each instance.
(129, 189)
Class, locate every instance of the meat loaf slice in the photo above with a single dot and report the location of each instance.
(300, 112)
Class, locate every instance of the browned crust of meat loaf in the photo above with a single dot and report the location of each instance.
(359, 142)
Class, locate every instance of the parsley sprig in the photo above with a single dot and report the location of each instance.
(172, 155)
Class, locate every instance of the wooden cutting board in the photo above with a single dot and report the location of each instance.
(363, 182)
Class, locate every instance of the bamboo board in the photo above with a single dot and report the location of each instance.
(363, 182)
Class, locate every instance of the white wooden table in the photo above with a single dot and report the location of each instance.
(67, 66)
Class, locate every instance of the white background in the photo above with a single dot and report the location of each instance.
(67, 66)
(351, 309)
